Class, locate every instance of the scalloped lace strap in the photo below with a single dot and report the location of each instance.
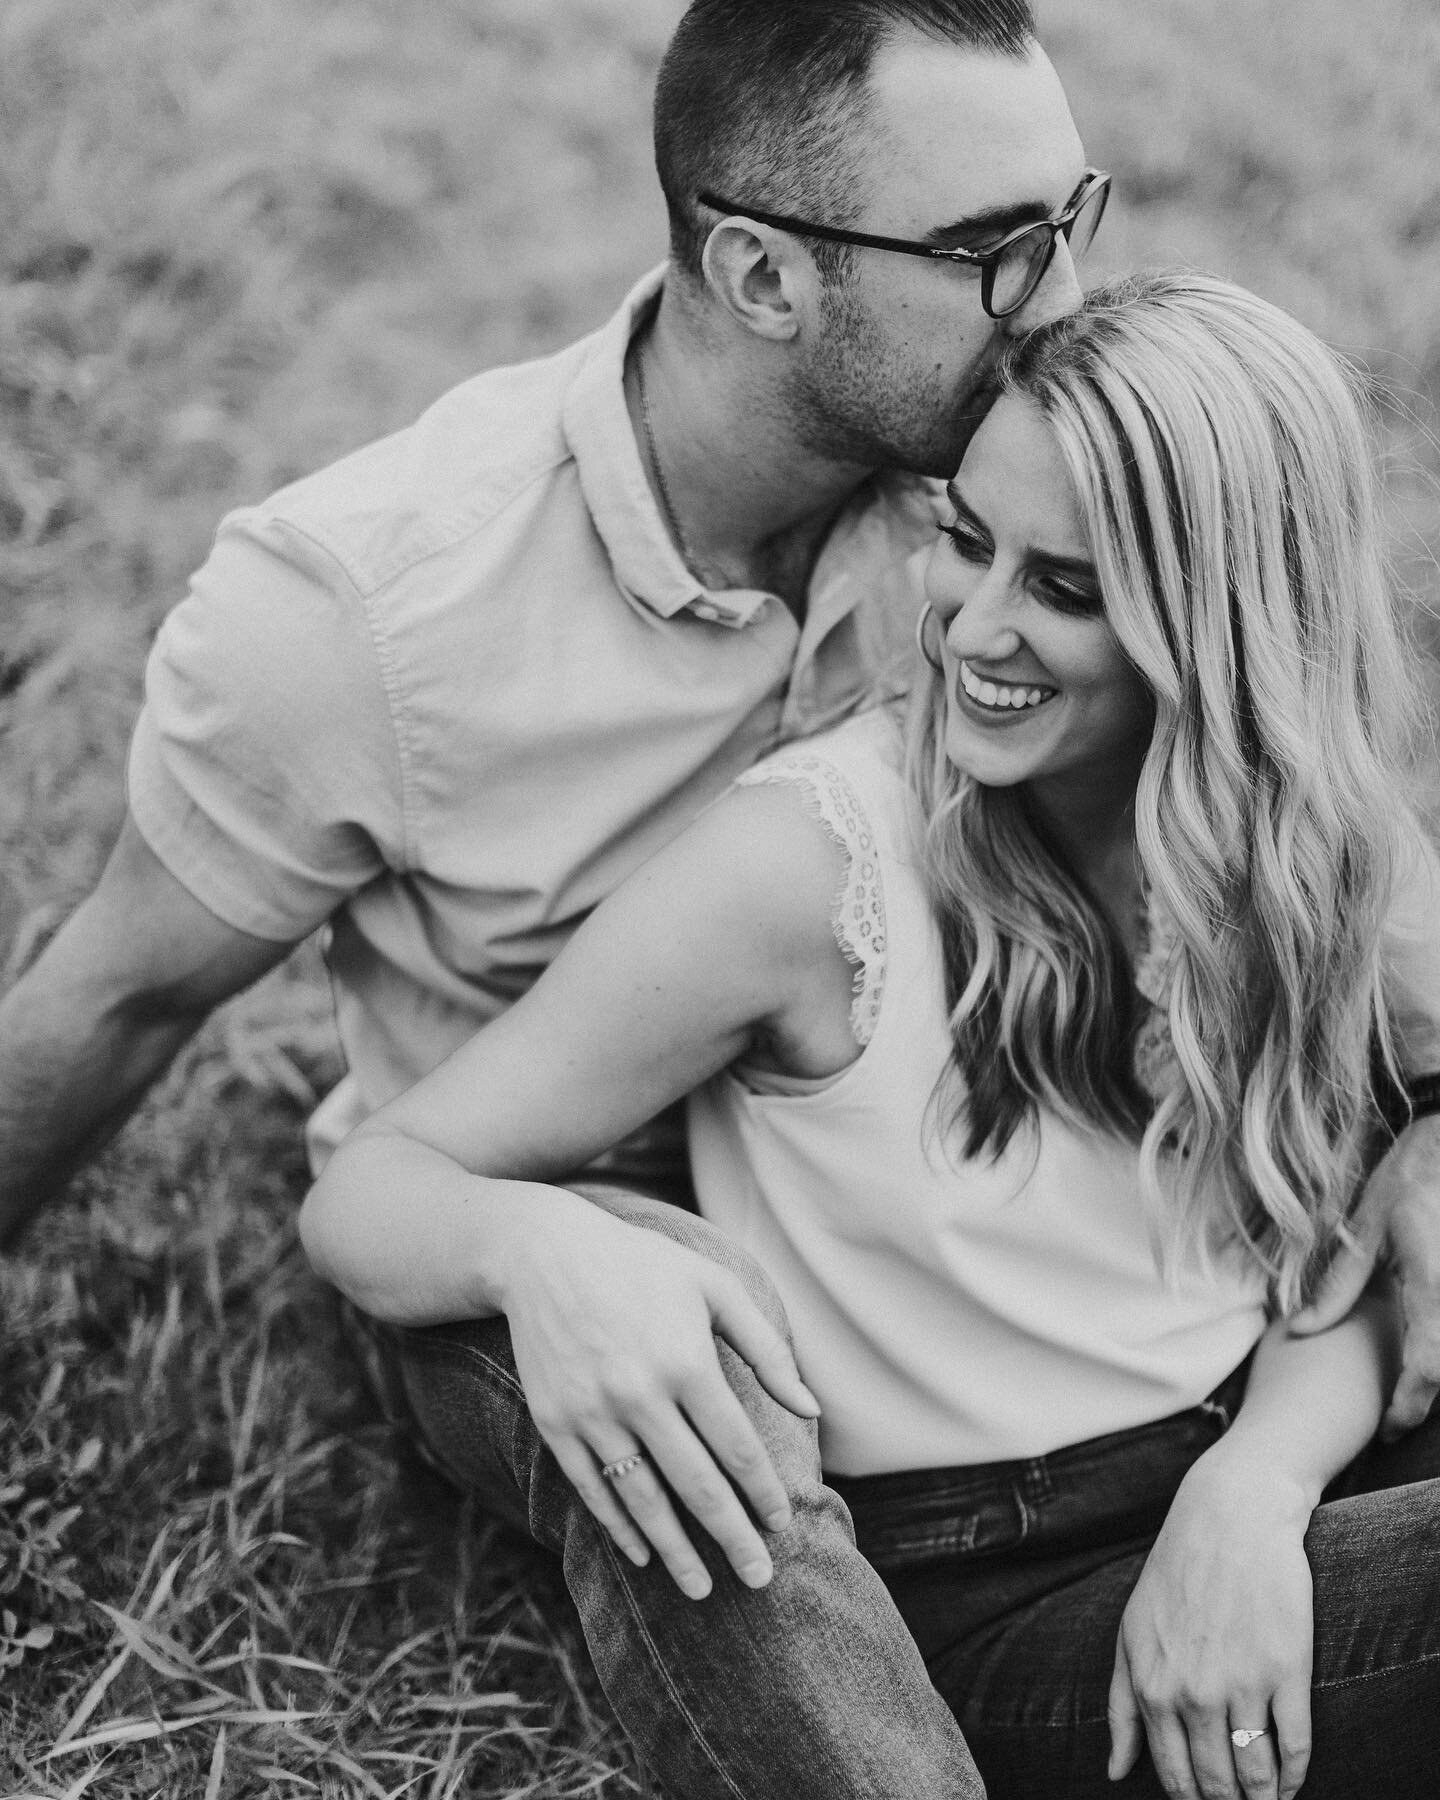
(858, 914)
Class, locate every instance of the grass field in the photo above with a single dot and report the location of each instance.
(235, 240)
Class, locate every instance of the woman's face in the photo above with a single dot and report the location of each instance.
(1037, 687)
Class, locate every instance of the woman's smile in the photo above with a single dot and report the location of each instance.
(1038, 689)
(1000, 701)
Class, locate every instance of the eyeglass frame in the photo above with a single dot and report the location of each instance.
(987, 261)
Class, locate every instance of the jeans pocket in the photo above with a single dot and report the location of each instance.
(900, 1530)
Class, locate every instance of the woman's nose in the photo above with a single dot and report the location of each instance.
(983, 629)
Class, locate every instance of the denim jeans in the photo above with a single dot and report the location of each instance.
(990, 1596)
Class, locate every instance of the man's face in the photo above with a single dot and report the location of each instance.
(896, 361)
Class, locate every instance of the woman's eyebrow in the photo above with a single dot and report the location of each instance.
(1072, 565)
(1053, 559)
(958, 501)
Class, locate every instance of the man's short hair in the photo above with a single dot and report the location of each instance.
(764, 101)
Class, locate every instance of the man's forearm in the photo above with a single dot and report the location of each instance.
(73, 1066)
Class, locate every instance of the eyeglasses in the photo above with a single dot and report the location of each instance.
(1010, 270)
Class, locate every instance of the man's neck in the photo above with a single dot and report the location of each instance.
(749, 505)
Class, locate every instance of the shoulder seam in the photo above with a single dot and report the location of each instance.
(443, 537)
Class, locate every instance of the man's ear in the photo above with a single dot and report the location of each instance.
(760, 276)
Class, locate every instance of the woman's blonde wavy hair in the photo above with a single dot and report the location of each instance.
(1225, 474)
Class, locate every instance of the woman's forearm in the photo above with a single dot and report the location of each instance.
(415, 1239)
(1219, 1631)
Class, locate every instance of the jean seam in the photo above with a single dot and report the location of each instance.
(1397, 1668)
(974, 1720)
(621, 1571)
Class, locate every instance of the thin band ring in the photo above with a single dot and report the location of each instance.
(622, 1466)
(927, 612)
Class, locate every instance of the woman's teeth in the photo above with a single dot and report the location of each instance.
(1002, 699)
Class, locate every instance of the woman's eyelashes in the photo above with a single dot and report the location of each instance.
(1067, 597)
(967, 543)
(1077, 598)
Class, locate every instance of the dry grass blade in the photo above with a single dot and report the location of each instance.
(134, 1731)
(217, 1768)
(461, 1703)
(95, 1693)
(159, 1652)
(327, 1756)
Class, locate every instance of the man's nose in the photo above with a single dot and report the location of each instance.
(1059, 293)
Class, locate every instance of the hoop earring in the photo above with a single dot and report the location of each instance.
(927, 612)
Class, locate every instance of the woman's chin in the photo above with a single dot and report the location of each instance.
(989, 764)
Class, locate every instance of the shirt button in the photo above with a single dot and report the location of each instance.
(703, 609)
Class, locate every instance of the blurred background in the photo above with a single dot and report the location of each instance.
(237, 238)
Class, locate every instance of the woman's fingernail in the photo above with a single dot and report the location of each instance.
(756, 1574)
(697, 1585)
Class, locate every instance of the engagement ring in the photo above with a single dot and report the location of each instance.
(622, 1465)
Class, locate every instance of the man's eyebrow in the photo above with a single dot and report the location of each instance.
(992, 221)
(995, 221)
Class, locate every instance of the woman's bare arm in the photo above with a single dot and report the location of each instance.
(443, 1206)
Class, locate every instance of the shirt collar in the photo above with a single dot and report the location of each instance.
(643, 556)
(607, 460)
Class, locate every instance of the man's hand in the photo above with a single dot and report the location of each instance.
(614, 1335)
(1401, 1205)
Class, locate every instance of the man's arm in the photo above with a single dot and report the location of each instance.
(1400, 1207)
(101, 1013)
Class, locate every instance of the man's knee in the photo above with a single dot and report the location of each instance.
(697, 1234)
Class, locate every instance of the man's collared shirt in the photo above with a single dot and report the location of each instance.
(450, 691)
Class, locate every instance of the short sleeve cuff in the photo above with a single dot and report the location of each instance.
(251, 895)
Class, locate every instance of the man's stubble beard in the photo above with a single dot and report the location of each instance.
(851, 404)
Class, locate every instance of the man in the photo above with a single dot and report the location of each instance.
(445, 695)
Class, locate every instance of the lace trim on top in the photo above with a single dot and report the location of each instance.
(858, 917)
(1154, 1051)
(858, 914)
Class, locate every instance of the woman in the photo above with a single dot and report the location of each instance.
(1035, 1081)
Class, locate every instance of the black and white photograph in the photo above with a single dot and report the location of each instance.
(719, 900)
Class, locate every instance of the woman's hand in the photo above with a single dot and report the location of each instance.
(613, 1329)
(1219, 1636)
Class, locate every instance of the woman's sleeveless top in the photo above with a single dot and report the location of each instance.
(947, 1311)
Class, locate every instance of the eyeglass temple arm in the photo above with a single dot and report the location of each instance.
(833, 234)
